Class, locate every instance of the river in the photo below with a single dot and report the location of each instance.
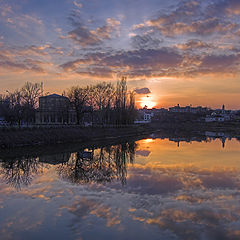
(152, 188)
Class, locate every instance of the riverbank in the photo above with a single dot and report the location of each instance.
(198, 128)
(17, 138)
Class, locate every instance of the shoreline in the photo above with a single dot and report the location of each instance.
(21, 138)
(26, 137)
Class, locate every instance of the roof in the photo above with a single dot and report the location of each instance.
(54, 96)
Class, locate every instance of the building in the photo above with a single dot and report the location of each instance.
(55, 109)
(147, 117)
(219, 116)
(188, 109)
(214, 118)
(144, 116)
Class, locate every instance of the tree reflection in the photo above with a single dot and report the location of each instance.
(99, 165)
(20, 172)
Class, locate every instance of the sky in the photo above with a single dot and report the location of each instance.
(171, 51)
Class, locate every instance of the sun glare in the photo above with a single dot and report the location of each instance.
(148, 140)
(147, 101)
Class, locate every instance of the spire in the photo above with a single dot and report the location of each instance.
(223, 108)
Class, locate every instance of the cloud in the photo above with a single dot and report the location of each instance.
(192, 18)
(143, 153)
(83, 36)
(193, 44)
(158, 62)
(5, 10)
(15, 19)
(86, 35)
(77, 4)
(22, 66)
(102, 72)
(163, 57)
(199, 27)
(142, 90)
(221, 63)
(142, 62)
(224, 7)
(145, 41)
(28, 58)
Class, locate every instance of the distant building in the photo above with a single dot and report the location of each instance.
(147, 117)
(55, 109)
(188, 109)
(219, 116)
(144, 116)
(214, 118)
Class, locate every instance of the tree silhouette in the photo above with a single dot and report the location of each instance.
(21, 171)
(103, 165)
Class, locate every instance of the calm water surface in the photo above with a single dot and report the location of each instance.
(148, 189)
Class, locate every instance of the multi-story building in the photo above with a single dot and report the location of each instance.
(55, 109)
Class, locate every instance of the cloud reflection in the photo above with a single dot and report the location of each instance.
(191, 192)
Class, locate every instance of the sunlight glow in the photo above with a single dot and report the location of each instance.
(148, 140)
(147, 101)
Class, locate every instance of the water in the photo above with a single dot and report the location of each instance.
(149, 189)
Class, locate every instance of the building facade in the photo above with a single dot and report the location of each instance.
(55, 109)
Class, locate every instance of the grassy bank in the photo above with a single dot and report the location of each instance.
(232, 128)
(12, 138)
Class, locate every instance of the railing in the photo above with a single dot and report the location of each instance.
(31, 126)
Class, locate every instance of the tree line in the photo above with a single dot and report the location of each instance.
(20, 105)
(105, 103)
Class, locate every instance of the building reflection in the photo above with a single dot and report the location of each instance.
(55, 159)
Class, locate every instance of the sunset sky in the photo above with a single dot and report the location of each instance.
(172, 51)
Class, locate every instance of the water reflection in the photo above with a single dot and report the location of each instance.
(99, 165)
(21, 171)
(145, 189)
(94, 165)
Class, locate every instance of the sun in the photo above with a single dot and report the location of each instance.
(147, 101)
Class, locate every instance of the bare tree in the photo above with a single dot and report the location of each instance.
(102, 100)
(78, 97)
(30, 93)
(21, 104)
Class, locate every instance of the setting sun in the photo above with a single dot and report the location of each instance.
(147, 101)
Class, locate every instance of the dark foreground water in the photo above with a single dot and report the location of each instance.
(148, 189)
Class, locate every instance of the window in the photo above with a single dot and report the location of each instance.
(53, 118)
(46, 118)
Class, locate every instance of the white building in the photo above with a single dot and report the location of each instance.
(147, 117)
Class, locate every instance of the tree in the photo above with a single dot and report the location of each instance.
(14, 111)
(20, 104)
(102, 96)
(30, 93)
(78, 97)
(124, 105)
